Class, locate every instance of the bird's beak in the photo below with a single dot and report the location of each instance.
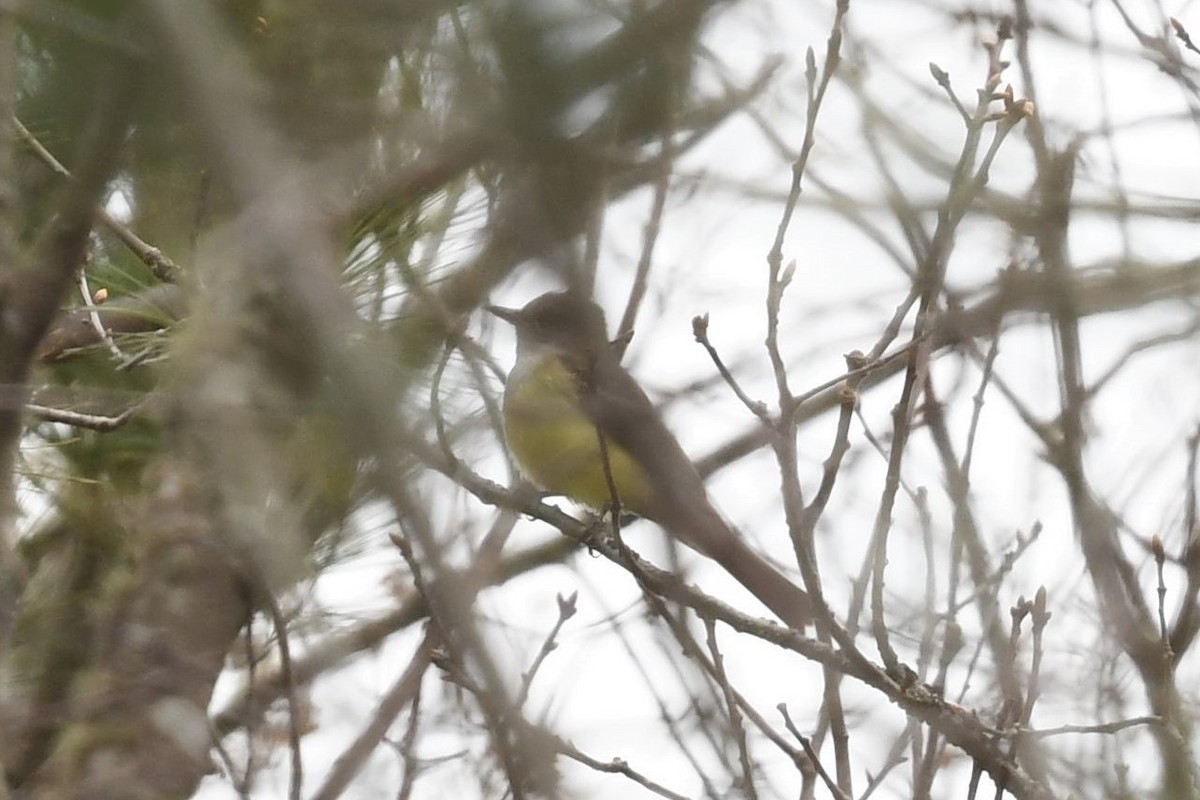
(510, 315)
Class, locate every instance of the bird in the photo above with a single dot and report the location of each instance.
(579, 425)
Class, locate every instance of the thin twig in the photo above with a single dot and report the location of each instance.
(407, 747)
(617, 766)
(1160, 558)
(737, 730)
(89, 305)
(943, 80)
(1039, 618)
(566, 609)
(756, 407)
(989, 362)
(834, 789)
(401, 693)
(95, 422)
(1101, 728)
(296, 778)
(665, 163)
(1187, 622)
(163, 267)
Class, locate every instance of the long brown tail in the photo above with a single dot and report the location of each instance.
(707, 532)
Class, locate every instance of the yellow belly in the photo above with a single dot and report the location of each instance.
(557, 446)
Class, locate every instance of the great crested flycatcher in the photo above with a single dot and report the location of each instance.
(574, 419)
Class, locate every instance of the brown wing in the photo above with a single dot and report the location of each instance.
(626, 417)
(623, 414)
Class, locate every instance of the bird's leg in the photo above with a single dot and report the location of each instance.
(597, 532)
